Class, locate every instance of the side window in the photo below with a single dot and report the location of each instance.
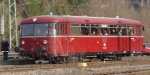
(94, 29)
(113, 30)
(138, 30)
(130, 30)
(75, 29)
(85, 29)
(122, 30)
(104, 29)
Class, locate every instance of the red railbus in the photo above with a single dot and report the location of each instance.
(61, 36)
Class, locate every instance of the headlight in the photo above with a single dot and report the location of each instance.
(45, 42)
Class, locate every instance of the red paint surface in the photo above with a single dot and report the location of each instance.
(64, 45)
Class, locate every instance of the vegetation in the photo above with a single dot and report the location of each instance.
(30, 8)
(106, 8)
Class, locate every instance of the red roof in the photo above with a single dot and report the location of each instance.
(80, 19)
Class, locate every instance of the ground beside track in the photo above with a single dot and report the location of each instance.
(134, 65)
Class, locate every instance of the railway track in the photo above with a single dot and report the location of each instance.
(100, 71)
(95, 67)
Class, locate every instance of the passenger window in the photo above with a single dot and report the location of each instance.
(104, 29)
(130, 30)
(94, 29)
(75, 29)
(84, 29)
(122, 30)
(113, 30)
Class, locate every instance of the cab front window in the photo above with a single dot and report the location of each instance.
(27, 29)
(41, 29)
(44, 29)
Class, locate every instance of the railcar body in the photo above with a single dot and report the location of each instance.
(61, 36)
